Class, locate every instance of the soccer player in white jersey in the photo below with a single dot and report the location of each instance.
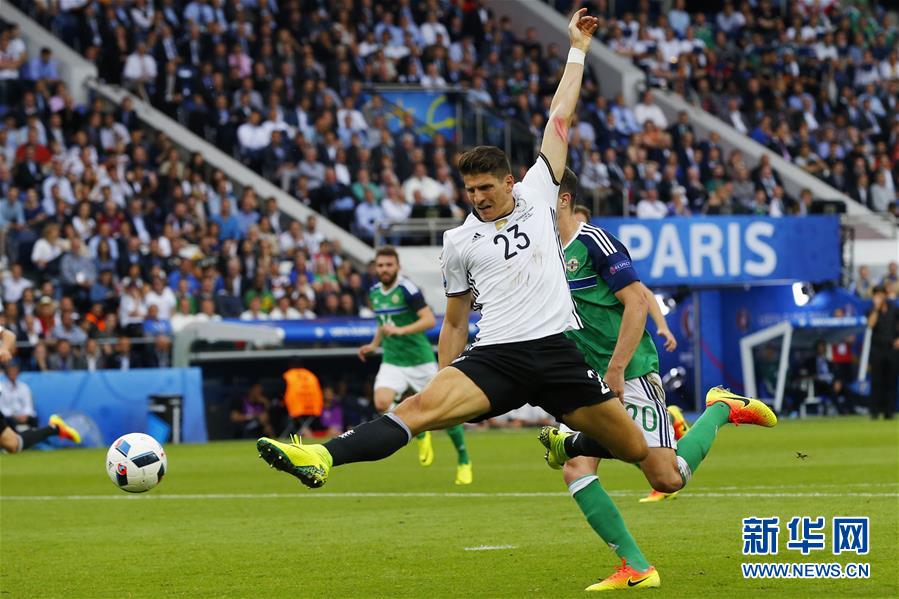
(505, 260)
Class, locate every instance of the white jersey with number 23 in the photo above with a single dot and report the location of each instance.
(514, 267)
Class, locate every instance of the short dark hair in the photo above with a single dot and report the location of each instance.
(485, 159)
(583, 210)
(569, 185)
(878, 289)
(387, 250)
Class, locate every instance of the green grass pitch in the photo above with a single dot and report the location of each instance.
(222, 524)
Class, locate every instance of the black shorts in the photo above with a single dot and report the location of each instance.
(548, 372)
(3, 423)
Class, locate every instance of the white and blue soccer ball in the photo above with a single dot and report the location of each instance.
(136, 462)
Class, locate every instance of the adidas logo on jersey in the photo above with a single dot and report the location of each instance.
(476, 236)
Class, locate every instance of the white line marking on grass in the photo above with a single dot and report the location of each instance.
(816, 485)
(312, 495)
(490, 547)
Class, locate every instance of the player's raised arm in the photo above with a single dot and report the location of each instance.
(655, 312)
(555, 136)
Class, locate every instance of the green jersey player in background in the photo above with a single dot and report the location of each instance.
(613, 305)
(408, 361)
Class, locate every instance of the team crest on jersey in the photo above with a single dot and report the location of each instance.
(501, 223)
(395, 299)
(573, 265)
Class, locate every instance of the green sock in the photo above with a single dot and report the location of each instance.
(606, 520)
(693, 447)
(457, 434)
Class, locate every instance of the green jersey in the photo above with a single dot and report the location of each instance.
(399, 306)
(597, 266)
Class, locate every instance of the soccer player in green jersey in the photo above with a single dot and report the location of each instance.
(408, 361)
(613, 305)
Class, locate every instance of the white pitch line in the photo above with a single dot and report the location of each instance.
(490, 547)
(313, 495)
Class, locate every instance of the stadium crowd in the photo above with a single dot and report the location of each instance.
(284, 86)
(817, 83)
(110, 233)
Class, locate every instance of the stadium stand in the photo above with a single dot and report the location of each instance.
(98, 207)
(815, 83)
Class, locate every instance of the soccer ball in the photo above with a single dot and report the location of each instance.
(136, 462)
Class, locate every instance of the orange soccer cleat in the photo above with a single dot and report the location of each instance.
(626, 578)
(743, 410)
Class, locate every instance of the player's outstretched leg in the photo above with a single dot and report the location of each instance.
(722, 406)
(63, 430)
(14, 442)
(449, 399)
(605, 519)
(464, 475)
(680, 426)
(386, 399)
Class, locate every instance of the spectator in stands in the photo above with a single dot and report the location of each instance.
(369, 217)
(14, 283)
(881, 194)
(422, 183)
(140, 70)
(62, 358)
(292, 240)
(123, 356)
(153, 325)
(248, 215)
(207, 311)
(47, 252)
(12, 57)
(283, 310)
(254, 311)
(647, 110)
(336, 200)
(78, 272)
(91, 357)
(68, 330)
(229, 227)
(38, 360)
(651, 206)
(132, 309)
(160, 354)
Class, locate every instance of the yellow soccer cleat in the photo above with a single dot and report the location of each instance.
(678, 422)
(626, 578)
(309, 463)
(464, 475)
(554, 441)
(655, 496)
(743, 410)
(64, 430)
(425, 449)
